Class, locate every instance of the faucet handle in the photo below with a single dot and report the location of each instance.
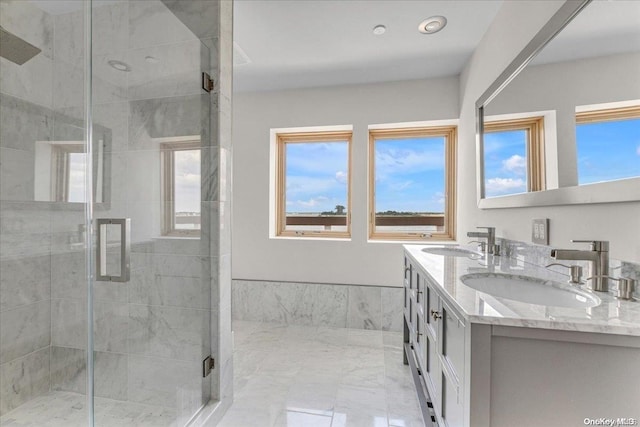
(576, 272)
(625, 288)
(596, 245)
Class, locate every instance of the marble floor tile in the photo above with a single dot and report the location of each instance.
(317, 376)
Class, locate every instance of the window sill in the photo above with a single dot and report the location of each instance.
(322, 239)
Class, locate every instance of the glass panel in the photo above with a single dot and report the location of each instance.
(151, 334)
(187, 189)
(410, 185)
(43, 279)
(505, 162)
(608, 150)
(316, 179)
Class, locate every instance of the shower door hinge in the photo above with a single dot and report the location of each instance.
(207, 366)
(207, 82)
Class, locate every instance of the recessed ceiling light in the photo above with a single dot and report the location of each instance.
(432, 24)
(379, 30)
(151, 59)
(119, 65)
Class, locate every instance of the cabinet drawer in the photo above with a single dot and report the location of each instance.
(451, 409)
(453, 340)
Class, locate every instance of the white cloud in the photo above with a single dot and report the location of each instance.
(498, 186)
(341, 177)
(516, 164)
(402, 161)
(311, 203)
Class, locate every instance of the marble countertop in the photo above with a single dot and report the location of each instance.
(612, 316)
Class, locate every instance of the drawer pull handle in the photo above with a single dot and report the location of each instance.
(436, 315)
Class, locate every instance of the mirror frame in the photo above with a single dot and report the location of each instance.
(623, 190)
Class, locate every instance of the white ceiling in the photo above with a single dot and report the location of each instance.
(311, 43)
(604, 27)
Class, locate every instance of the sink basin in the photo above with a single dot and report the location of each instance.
(451, 251)
(530, 290)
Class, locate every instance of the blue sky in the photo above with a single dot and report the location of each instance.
(409, 175)
(505, 163)
(605, 151)
(608, 150)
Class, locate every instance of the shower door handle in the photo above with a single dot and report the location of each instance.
(125, 249)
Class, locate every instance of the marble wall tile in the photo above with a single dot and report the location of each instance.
(392, 309)
(163, 382)
(69, 36)
(315, 304)
(69, 372)
(175, 291)
(23, 123)
(163, 117)
(364, 310)
(143, 182)
(110, 322)
(330, 306)
(24, 229)
(30, 81)
(24, 330)
(69, 323)
(24, 379)
(152, 23)
(176, 72)
(68, 369)
(16, 175)
(210, 187)
(200, 16)
(169, 332)
(68, 275)
(111, 375)
(24, 281)
(28, 22)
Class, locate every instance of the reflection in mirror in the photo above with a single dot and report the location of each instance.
(583, 90)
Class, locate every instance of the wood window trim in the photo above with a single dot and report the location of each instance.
(534, 126)
(167, 176)
(450, 133)
(282, 139)
(608, 115)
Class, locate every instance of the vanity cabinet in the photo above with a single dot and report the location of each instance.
(476, 362)
(436, 341)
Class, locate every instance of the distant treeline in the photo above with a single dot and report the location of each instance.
(387, 213)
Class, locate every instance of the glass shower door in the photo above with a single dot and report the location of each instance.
(152, 331)
(129, 345)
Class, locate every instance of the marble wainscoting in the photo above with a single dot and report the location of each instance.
(540, 255)
(318, 304)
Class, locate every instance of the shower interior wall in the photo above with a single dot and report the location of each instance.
(151, 333)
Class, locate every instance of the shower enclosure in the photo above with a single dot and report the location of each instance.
(114, 219)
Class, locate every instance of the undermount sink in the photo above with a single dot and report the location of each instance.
(530, 290)
(451, 251)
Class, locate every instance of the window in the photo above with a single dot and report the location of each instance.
(412, 183)
(68, 168)
(313, 184)
(514, 156)
(608, 144)
(181, 188)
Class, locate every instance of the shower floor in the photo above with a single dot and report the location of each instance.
(65, 409)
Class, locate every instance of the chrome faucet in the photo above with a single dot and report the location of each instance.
(490, 235)
(598, 255)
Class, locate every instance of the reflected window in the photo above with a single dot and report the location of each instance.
(313, 183)
(608, 144)
(412, 183)
(181, 188)
(513, 156)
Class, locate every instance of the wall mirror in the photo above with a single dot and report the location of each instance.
(561, 125)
